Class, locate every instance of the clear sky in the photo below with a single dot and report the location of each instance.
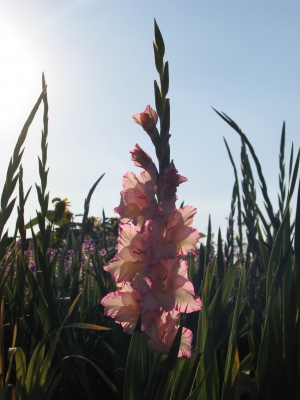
(241, 57)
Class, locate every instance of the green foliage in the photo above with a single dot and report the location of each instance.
(55, 340)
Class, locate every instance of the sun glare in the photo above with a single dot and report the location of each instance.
(18, 74)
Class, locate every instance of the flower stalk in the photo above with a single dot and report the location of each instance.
(150, 269)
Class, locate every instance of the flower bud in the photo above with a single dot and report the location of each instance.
(147, 119)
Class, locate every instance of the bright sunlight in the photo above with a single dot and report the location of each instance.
(18, 73)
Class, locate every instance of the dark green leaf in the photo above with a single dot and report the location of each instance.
(159, 39)
(165, 80)
(136, 373)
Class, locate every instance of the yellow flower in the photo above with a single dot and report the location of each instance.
(61, 210)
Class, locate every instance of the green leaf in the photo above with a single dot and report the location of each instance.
(294, 179)
(87, 207)
(263, 250)
(84, 325)
(136, 373)
(220, 300)
(208, 367)
(165, 126)
(159, 40)
(155, 377)
(31, 223)
(44, 369)
(191, 267)
(197, 393)
(230, 387)
(32, 376)
(277, 281)
(185, 377)
(71, 309)
(158, 100)
(220, 259)
(158, 60)
(264, 189)
(164, 135)
(16, 159)
(95, 366)
(291, 162)
(174, 350)
(39, 301)
(6, 212)
(165, 80)
(208, 241)
(263, 371)
(200, 272)
(209, 278)
(20, 362)
(274, 260)
(8, 192)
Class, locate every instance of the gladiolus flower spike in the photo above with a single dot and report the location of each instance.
(149, 268)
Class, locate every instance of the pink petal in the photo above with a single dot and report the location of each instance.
(128, 271)
(188, 213)
(112, 303)
(129, 181)
(185, 298)
(114, 267)
(137, 118)
(148, 119)
(189, 244)
(163, 250)
(162, 333)
(133, 245)
(183, 269)
(139, 156)
(185, 343)
(149, 303)
(140, 285)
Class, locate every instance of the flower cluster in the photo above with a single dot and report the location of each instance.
(149, 268)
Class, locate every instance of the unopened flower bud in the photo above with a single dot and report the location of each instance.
(147, 119)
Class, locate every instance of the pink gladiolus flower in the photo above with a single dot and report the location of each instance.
(147, 119)
(132, 260)
(140, 157)
(143, 160)
(137, 199)
(123, 306)
(162, 333)
(172, 234)
(170, 288)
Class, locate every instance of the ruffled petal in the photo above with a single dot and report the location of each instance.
(186, 343)
(112, 303)
(186, 300)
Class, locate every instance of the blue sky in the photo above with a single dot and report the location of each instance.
(240, 57)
